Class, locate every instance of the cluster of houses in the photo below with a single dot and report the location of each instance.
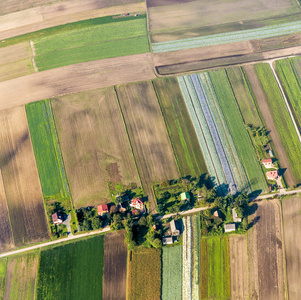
(268, 164)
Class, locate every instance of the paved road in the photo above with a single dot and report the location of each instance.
(276, 194)
(73, 237)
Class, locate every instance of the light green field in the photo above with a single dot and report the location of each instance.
(3, 263)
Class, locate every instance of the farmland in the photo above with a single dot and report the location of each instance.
(3, 263)
(74, 270)
(21, 180)
(291, 208)
(21, 277)
(265, 253)
(147, 262)
(282, 119)
(148, 135)
(115, 266)
(172, 273)
(91, 123)
(182, 135)
(215, 268)
(109, 37)
(245, 150)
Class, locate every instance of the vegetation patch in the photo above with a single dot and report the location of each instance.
(3, 263)
(74, 270)
(144, 274)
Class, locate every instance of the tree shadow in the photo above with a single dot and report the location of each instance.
(254, 222)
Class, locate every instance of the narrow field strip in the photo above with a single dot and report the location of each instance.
(230, 37)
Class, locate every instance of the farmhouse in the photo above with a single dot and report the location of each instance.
(167, 240)
(173, 228)
(57, 218)
(137, 203)
(229, 227)
(236, 219)
(272, 175)
(102, 209)
(185, 196)
(268, 163)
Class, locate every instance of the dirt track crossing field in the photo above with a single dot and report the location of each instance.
(115, 267)
(91, 123)
(291, 208)
(239, 267)
(148, 135)
(21, 180)
(76, 78)
(265, 253)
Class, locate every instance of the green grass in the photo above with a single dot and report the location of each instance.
(281, 118)
(292, 86)
(180, 129)
(172, 273)
(73, 271)
(47, 150)
(237, 129)
(3, 263)
(215, 268)
(91, 43)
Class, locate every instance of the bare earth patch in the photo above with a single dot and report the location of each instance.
(76, 78)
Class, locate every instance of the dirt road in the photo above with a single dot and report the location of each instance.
(76, 78)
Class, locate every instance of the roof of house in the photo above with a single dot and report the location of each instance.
(167, 240)
(230, 226)
(272, 174)
(216, 213)
(235, 216)
(57, 216)
(185, 196)
(136, 201)
(102, 208)
(267, 160)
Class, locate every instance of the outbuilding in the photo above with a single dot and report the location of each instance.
(185, 196)
(168, 240)
(229, 227)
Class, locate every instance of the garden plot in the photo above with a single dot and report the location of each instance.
(91, 123)
(21, 180)
(148, 135)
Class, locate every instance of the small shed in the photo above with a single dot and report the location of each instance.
(173, 228)
(185, 196)
(229, 227)
(167, 240)
(102, 209)
(236, 219)
(272, 175)
(57, 218)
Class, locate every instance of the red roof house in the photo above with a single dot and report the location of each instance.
(272, 175)
(137, 203)
(57, 218)
(268, 163)
(102, 209)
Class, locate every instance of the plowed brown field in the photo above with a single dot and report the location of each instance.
(91, 123)
(291, 208)
(265, 253)
(148, 135)
(21, 180)
(115, 267)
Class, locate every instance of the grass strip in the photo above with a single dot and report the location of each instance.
(3, 264)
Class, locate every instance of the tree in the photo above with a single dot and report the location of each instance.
(97, 223)
(86, 225)
(142, 221)
(218, 201)
(185, 183)
(157, 243)
(120, 188)
(113, 209)
(207, 213)
(245, 224)
(160, 209)
(117, 222)
(205, 230)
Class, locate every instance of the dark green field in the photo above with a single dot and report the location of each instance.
(180, 129)
(46, 149)
(73, 271)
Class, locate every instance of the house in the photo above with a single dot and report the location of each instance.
(57, 218)
(102, 209)
(216, 214)
(272, 175)
(268, 163)
(236, 219)
(173, 228)
(229, 227)
(137, 203)
(185, 196)
(167, 240)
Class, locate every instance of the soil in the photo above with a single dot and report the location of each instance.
(238, 266)
(76, 78)
(154, 3)
(270, 125)
(266, 268)
(291, 208)
(115, 267)
(147, 132)
(21, 179)
(91, 123)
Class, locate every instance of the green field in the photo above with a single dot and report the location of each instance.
(172, 273)
(47, 151)
(281, 118)
(189, 156)
(106, 39)
(72, 271)
(215, 268)
(3, 263)
(237, 129)
(144, 274)
(291, 83)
